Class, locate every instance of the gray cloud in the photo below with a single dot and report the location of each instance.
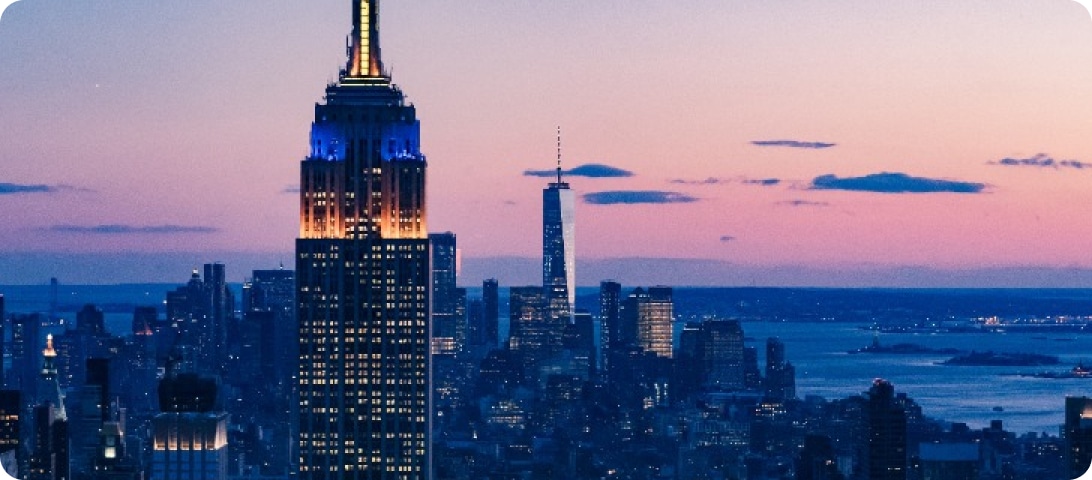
(707, 181)
(16, 189)
(291, 189)
(630, 197)
(1042, 160)
(887, 182)
(115, 229)
(762, 182)
(803, 203)
(591, 170)
(727, 238)
(792, 144)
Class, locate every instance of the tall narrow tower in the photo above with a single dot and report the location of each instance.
(362, 268)
(558, 250)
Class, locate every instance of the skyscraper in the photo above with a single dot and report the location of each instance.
(362, 268)
(648, 320)
(491, 314)
(530, 335)
(1078, 435)
(722, 353)
(610, 297)
(558, 249)
(50, 459)
(444, 251)
(189, 437)
(780, 374)
(274, 291)
(222, 303)
(886, 434)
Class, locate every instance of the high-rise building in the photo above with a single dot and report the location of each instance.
(491, 313)
(722, 354)
(817, 460)
(444, 251)
(25, 335)
(10, 412)
(274, 291)
(362, 268)
(780, 374)
(950, 461)
(610, 297)
(648, 319)
(3, 345)
(93, 412)
(3, 339)
(189, 438)
(1078, 435)
(558, 249)
(50, 460)
(222, 303)
(90, 320)
(530, 334)
(886, 458)
(145, 320)
(201, 313)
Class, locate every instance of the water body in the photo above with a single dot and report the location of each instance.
(952, 393)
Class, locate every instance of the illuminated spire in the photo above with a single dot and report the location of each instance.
(559, 154)
(49, 351)
(364, 55)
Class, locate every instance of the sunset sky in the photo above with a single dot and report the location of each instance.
(831, 142)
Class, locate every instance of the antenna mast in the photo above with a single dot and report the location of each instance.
(559, 154)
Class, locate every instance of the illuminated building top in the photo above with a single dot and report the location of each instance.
(365, 60)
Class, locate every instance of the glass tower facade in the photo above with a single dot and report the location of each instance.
(363, 287)
(558, 252)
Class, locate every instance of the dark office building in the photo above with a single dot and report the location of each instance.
(817, 460)
(780, 374)
(202, 313)
(532, 338)
(25, 345)
(222, 310)
(145, 320)
(1078, 435)
(949, 461)
(752, 376)
(886, 458)
(610, 298)
(274, 291)
(722, 355)
(3, 339)
(363, 277)
(10, 413)
(91, 321)
(444, 302)
(491, 312)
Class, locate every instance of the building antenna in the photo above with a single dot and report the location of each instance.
(559, 154)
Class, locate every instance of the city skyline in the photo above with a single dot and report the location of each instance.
(761, 144)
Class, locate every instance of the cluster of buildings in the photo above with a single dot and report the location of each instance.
(165, 399)
(369, 362)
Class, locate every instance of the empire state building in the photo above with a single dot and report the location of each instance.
(362, 263)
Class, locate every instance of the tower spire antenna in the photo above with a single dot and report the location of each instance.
(365, 59)
(558, 154)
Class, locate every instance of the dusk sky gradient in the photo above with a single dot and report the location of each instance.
(828, 140)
